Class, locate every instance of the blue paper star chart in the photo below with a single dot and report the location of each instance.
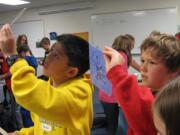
(98, 70)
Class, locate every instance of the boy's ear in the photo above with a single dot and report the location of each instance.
(72, 72)
(176, 73)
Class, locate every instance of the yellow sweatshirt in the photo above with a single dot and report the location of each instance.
(65, 110)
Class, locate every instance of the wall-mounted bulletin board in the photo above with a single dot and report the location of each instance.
(84, 35)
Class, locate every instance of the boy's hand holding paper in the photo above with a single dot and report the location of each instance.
(112, 58)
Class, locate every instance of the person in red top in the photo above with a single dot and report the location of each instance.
(14, 107)
(6, 75)
(160, 58)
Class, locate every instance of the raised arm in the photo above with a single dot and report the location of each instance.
(7, 41)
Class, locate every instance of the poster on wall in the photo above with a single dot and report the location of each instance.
(53, 35)
(84, 35)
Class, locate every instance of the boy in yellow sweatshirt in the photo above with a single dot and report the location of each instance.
(63, 105)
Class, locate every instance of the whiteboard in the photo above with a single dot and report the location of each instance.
(105, 27)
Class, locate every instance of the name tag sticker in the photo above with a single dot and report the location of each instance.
(46, 127)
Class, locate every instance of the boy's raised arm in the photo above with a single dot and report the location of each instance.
(62, 106)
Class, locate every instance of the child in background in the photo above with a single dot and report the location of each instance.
(63, 105)
(134, 64)
(10, 117)
(111, 108)
(160, 58)
(25, 52)
(166, 109)
(45, 44)
(22, 40)
(15, 114)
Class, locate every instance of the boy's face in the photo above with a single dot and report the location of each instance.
(159, 124)
(153, 71)
(45, 46)
(56, 65)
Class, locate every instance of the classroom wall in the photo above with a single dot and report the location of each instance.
(80, 21)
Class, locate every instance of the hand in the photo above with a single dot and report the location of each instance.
(112, 58)
(7, 41)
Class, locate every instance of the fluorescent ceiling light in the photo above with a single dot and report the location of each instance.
(13, 2)
(173, 10)
(139, 13)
